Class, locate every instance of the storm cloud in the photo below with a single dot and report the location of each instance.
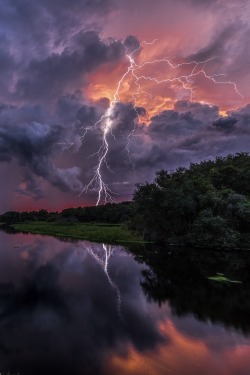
(60, 63)
(62, 73)
(33, 145)
(189, 133)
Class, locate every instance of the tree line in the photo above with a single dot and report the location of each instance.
(110, 213)
(206, 204)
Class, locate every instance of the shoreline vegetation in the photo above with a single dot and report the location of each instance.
(97, 232)
(204, 205)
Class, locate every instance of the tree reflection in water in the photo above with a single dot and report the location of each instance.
(180, 276)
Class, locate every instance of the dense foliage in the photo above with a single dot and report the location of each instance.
(109, 213)
(207, 204)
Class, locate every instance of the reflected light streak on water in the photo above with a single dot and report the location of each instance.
(102, 256)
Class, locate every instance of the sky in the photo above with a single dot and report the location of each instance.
(97, 95)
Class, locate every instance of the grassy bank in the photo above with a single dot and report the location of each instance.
(91, 232)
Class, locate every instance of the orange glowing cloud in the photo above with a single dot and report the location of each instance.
(156, 82)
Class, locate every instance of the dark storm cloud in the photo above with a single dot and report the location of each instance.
(123, 132)
(131, 43)
(202, 136)
(202, 112)
(48, 47)
(38, 25)
(174, 123)
(87, 115)
(67, 107)
(243, 115)
(63, 72)
(73, 109)
(123, 126)
(123, 119)
(226, 124)
(195, 137)
(33, 144)
(191, 133)
(49, 50)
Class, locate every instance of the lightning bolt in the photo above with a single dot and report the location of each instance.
(106, 122)
(102, 258)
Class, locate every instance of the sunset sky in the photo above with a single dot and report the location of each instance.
(185, 98)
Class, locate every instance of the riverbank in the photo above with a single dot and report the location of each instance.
(111, 233)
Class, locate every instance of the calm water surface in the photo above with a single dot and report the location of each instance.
(86, 308)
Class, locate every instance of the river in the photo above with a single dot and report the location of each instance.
(76, 307)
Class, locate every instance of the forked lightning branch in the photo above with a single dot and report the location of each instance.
(106, 122)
